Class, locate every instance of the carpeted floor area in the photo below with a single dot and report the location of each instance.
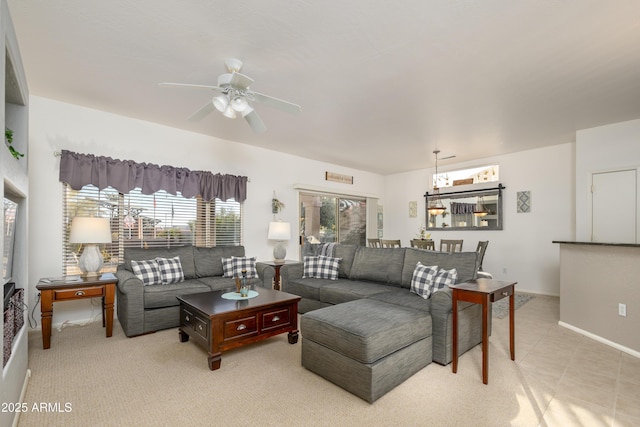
(501, 308)
(559, 378)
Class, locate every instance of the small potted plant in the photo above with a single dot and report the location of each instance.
(276, 205)
(8, 136)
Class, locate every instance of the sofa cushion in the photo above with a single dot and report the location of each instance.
(423, 279)
(148, 271)
(158, 296)
(307, 287)
(227, 267)
(444, 278)
(465, 263)
(327, 267)
(365, 330)
(170, 270)
(246, 264)
(184, 252)
(208, 261)
(403, 297)
(347, 253)
(218, 283)
(382, 265)
(344, 290)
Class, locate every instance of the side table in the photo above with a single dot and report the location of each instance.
(67, 289)
(482, 291)
(277, 266)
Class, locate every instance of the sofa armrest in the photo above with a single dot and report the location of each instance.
(266, 273)
(130, 306)
(290, 272)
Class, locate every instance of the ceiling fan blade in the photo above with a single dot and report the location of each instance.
(240, 81)
(202, 112)
(280, 104)
(189, 86)
(255, 121)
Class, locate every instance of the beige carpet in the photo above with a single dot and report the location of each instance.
(156, 380)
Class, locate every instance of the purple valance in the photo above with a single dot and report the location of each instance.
(79, 170)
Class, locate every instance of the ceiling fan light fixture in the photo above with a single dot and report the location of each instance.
(229, 112)
(239, 104)
(221, 103)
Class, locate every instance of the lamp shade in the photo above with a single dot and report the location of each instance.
(279, 230)
(90, 230)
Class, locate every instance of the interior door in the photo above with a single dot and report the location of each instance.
(614, 207)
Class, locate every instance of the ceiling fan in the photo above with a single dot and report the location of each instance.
(235, 96)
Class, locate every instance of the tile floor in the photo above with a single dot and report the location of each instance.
(592, 383)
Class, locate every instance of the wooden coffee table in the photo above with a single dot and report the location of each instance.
(219, 324)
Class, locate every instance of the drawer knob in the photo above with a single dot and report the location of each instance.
(505, 294)
(200, 327)
(241, 327)
(275, 318)
(79, 293)
(186, 318)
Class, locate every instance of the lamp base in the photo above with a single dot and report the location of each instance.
(279, 252)
(90, 261)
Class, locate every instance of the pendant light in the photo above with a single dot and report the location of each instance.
(435, 204)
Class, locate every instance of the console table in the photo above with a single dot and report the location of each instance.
(482, 291)
(73, 288)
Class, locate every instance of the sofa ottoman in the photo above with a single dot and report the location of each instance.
(366, 347)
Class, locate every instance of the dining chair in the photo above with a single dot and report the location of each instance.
(427, 244)
(390, 243)
(448, 245)
(481, 249)
(374, 243)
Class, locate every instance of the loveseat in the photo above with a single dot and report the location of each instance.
(384, 275)
(142, 309)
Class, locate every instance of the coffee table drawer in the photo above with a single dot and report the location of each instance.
(276, 319)
(240, 327)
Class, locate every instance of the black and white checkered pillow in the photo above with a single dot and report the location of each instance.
(327, 267)
(310, 266)
(422, 280)
(147, 271)
(244, 263)
(445, 278)
(170, 270)
(227, 267)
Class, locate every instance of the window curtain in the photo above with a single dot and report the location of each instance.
(78, 170)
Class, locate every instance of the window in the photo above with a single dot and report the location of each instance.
(143, 221)
(329, 218)
(467, 176)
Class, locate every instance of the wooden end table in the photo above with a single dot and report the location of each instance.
(67, 289)
(483, 291)
(277, 265)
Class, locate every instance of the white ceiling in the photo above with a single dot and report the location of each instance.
(381, 83)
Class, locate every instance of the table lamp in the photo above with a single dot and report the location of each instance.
(90, 232)
(280, 232)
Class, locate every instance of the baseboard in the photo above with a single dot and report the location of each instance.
(22, 394)
(617, 346)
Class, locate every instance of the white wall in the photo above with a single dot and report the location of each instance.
(55, 125)
(605, 148)
(522, 251)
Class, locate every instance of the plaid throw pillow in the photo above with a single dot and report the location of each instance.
(227, 267)
(310, 266)
(422, 280)
(445, 278)
(327, 268)
(170, 270)
(244, 263)
(147, 271)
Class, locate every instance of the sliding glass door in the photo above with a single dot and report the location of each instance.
(331, 219)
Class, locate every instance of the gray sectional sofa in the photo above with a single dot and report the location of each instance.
(143, 309)
(384, 275)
